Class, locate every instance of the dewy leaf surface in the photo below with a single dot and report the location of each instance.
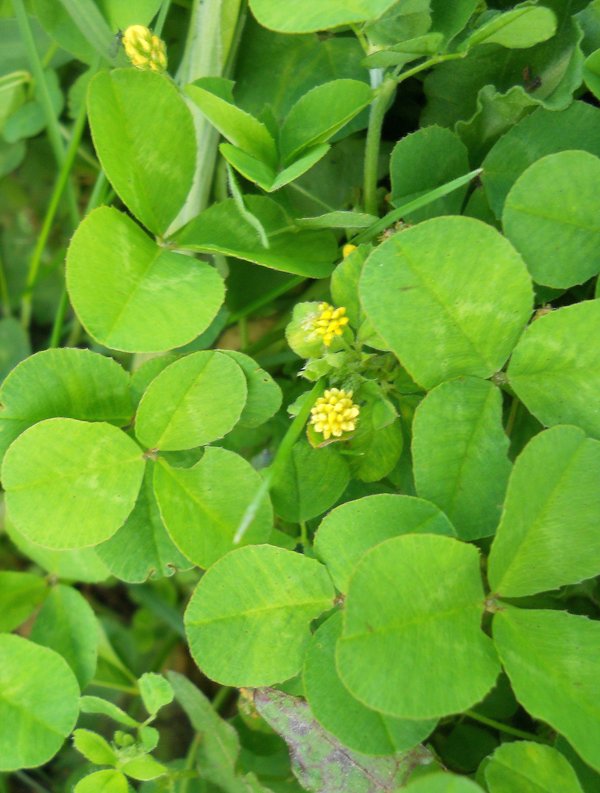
(203, 506)
(70, 484)
(313, 15)
(548, 535)
(133, 295)
(194, 401)
(553, 661)
(361, 729)
(412, 644)
(323, 765)
(551, 216)
(144, 136)
(248, 620)
(39, 699)
(529, 768)
(458, 434)
(449, 296)
(350, 530)
(555, 368)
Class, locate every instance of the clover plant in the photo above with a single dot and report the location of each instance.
(300, 396)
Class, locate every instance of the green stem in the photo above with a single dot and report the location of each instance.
(304, 541)
(512, 416)
(31, 783)
(162, 16)
(265, 299)
(190, 761)
(498, 725)
(221, 697)
(59, 187)
(281, 457)
(115, 687)
(53, 128)
(377, 114)
(4, 294)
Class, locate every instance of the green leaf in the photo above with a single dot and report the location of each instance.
(529, 768)
(70, 484)
(443, 783)
(413, 648)
(38, 703)
(450, 18)
(591, 72)
(320, 113)
(78, 384)
(316, 14)
(542, 133)
(248, 620)
(142, 549)
(106, 708)
(67, 624)
(310, 482)
(14, 345)
(320, 762)
(350, 530)
(20, 595)
(458, 433)
(192, 402)
(56, 20)
(109, 781)
(519, 28)
(223, 229)
(155, 691)
(240, 128)
(551, 217)
(135, 12)
(264, 395)
(548, 535)
(87, 17)
(144, 136)
(338, 220)
(423, 161)
(555, 370)
(94, 747)
(203, 506)
(449, 296)
(408, 50)
(143, 768)
(336, 710)
(552, 660)
(377, 448)
(115, 273)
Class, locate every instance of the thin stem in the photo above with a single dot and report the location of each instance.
(378, 110)
(31, 783)
(59, 187)
(512, 415)
(498, 725)
(53, 128)
(4, 294)
(190, 761)
(243, 330)
(115, 687)
(265, 299)
(162, 16)
(221, 697)
(281, 457)
(304, 541)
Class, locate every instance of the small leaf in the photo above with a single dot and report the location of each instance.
(443, 783)
(529, 767)
(552, 660)
(350, 530)
(109, 781)
(144, 136)
(223, 229)
(67, 624)
(336, 710)
(70, 484)
(155, 691)
(449, 296)
(38, 703)
(248, 620)
(194, 401)
(457, 433)
(320, 763)
(414, 648)
(94, 747)
(591, 72)
(203, 506)
(316, 15)
(555, 370)
(106, 708)
(522, 27)
(143, 768)
(20, 595)
(264, 395)
(115, 275)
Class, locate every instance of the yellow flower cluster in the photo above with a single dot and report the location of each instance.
(329, 322)
(334, 413)
(144, 49)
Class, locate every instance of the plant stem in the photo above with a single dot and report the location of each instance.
(506, 728)
(221, 697)
(59, 187)
(281, 457)
(162, 16)
(512, 415)
(4, 295)
(115, 687)
(265, 299)
(304, 541)
(377, 114)
(31, 783)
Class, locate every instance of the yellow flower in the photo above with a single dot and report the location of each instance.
(348, 249)
(144, 49)
(334, 413)
(329, 322)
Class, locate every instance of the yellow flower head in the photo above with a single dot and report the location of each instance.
(145, 50)
(334, 413)
(329, 322)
